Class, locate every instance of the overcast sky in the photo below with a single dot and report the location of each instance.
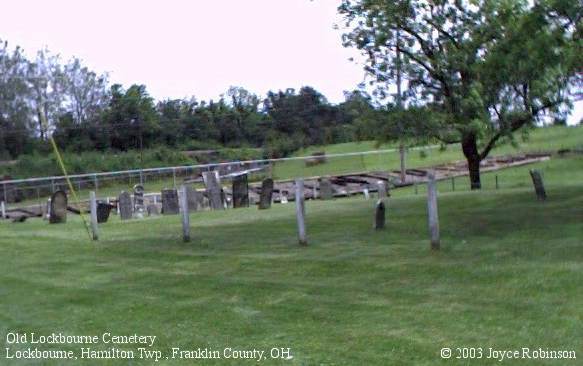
(181, 48)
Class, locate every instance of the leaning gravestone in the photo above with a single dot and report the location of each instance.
(539, 186)
(170, 202)
(58, 208)
(266, 194)
(240, 191)
(103, 210)
(124, 204)
(138, 198)
(192, 197)
(379, 216)
(326, 191)
(214, 191)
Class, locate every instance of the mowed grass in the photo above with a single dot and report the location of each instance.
(509, 275)
(547, 140)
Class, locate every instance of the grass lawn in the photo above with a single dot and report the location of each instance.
(509, 275)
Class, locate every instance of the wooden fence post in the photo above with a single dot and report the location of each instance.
(183, 196)
(301, 212)
(3, 209)
(93, 214)
(432, 213)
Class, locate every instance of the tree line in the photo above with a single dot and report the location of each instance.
(85, 113)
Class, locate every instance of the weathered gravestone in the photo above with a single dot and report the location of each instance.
(326, 191)
(212, 182)
(124, 205)
(193, 198)
(170, 205)
(103, 211)
(58, 208)
(138, 198)
(539, 187)
(240, 191)
(153, 209)
(379, 215)
(266, 194)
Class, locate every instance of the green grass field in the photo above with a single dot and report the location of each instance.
(508, 276)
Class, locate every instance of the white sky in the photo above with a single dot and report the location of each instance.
(181, 48)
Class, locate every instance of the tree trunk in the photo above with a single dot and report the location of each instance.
(470, 149)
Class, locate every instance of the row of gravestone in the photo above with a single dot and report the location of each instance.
(170, 203)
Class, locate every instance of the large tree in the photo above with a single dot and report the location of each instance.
(487, 68)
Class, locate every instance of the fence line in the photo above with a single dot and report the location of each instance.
(210, 165)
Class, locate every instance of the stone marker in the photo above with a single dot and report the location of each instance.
(124, 205)
(192, 197)
(3, 209)
(240, 191)
(326, 190)
(170, 202)
(58, 208)
(266, 194)
(379, 216)
(212, 182)
(185, 214)
(93, 215)
(432, 213)
(301, 212)
(153, 209)
(539, 187)
(138, 198)
(382, 189)
(103, 211)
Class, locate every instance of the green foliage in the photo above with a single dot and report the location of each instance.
(488, 68)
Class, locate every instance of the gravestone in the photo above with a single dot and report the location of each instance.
(170, 204)
(539, 187)
(138, 198)
(212, 182)
(58, 208)
(103, 211)
(266, 194)
(153, 209)
(240, 191)
(192, 198)
(379, 215)
(326, 191)
(124, 205)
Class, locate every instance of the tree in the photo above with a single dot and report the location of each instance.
(46, 90)
(488, 67)
(15, 132)
(86, 91)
